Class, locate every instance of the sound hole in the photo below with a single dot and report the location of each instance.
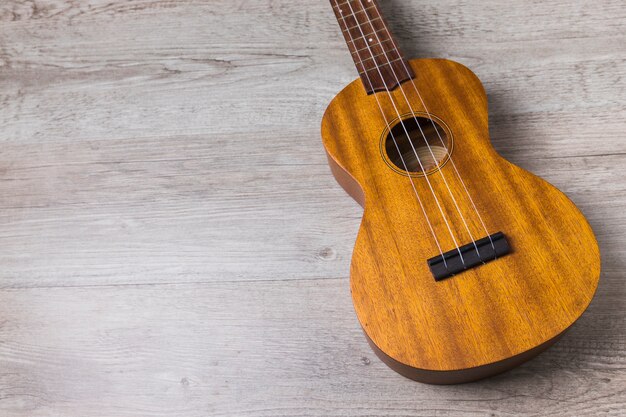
(414, 149)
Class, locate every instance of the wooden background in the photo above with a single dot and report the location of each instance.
(172, 242)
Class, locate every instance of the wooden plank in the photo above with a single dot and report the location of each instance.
(172, 210)
(273, 348)
(173, 244)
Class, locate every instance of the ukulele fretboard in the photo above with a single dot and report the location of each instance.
(378, 60)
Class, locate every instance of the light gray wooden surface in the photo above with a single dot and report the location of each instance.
(172, 242)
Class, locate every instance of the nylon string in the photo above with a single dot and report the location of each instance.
(401, 122)
(419, 200)
(458, 209)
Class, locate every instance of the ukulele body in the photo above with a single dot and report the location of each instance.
(488, 318)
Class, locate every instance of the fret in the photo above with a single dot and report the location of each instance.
(347, 2)
(343, 4)
(384, 55)
(370, 40)
(360, 43)
(378, 67)
(353, 13)
(365, 35)
(375, 55)
(358, 25)
(367, 48)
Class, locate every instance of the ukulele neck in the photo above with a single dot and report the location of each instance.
(380, 64)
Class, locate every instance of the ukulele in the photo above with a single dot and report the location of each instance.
(465, 265)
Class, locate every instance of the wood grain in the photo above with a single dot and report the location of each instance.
(141, 196)
(455, 330)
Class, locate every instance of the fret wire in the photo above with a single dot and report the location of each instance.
(378, 44)
(347, 2)
(356, 26)
(369, 40)
(342, 4)
(370, 34)
(359, 61)
(379, 66)
(341, 17)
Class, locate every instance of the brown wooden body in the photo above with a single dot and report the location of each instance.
(484, 320)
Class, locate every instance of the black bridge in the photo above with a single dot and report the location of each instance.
(489, 248)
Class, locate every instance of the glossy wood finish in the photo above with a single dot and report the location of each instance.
(375, 52)
(485, 315)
